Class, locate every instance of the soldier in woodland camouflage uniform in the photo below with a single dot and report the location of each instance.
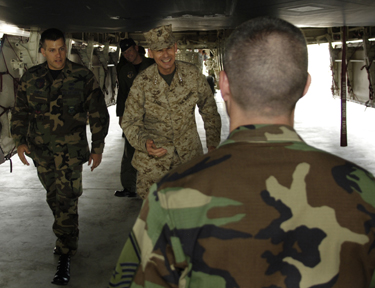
(160, 120)
(265, 209)
(49, 125)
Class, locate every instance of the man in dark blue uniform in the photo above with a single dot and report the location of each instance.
(136, 62)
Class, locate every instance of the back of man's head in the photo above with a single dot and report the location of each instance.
(52, 34)
(266, 64)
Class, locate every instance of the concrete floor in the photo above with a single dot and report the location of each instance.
(26, 237)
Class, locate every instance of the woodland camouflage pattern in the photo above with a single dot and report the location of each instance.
(50, 117)
(262, 210)
(160, 37)
(166, 114)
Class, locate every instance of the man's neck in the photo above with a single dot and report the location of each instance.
(240, 120)
(168, 71)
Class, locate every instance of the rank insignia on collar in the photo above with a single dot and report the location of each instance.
(130, 74)
(39, 83)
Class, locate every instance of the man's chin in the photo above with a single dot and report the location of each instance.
(60, 66)
(168, 65)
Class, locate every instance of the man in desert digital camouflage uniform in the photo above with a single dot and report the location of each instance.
(160, 112)
(264, 209)
(49, 125)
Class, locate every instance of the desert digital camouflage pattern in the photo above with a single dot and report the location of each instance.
(263, 210)
(165, 114)
(50, 116)
(160, 37)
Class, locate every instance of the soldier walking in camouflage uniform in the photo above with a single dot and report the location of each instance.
(49, 125)
(160, 112)
(264, 209)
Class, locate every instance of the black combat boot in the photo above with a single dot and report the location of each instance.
(62, 275)
(125, 193)
(57, 251)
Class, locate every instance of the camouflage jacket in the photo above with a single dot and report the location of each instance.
(50, 116)
(165, 114)
(263, 210)
(125, 78)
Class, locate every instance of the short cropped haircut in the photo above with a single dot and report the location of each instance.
(51, 34)
(266, 64)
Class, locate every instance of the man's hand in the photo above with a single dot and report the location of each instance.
(211, 148)
(21, 150)
(153, 150)
(96, 159)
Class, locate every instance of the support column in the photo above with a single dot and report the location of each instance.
(343, 134)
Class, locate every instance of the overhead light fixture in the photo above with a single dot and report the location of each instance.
(305, 9)
(188, 16)
(9, 29)
(351, 41)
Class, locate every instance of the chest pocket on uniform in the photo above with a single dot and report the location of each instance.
(73, 102)
(38, 102)
(73, 112)
(71, 108)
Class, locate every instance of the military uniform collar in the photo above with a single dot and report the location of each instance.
(262, 133)
(66, 70)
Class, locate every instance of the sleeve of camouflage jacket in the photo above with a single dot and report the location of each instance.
(20, 115)
(132, 122)
(98, 114)
(152, 257)
(208, 110)
(122, 93)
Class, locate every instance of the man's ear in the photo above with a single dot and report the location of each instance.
(308, 82)
(175, 47)
(43, 51)
(224, 85)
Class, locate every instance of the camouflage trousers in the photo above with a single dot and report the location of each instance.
(63, 189)
(147, 177)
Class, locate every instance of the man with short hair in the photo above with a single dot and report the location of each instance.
(160, 112)
(135, 64)
(49, 125)
(264, 209)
